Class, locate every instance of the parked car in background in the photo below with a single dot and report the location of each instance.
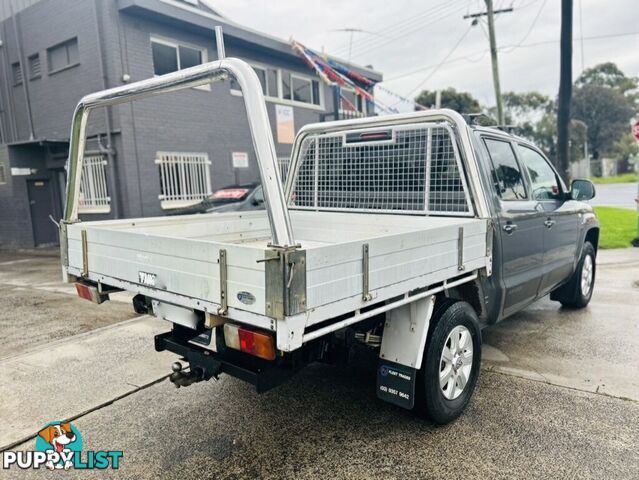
(233, 198)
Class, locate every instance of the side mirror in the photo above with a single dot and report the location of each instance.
(582, 189)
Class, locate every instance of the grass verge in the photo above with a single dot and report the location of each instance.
(625, 178)
(618, 226)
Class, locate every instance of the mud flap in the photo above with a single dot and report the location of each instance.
(396, 383)
(402, 351)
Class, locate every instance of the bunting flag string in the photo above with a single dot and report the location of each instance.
(332, 72)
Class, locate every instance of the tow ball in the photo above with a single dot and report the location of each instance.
(180, 378)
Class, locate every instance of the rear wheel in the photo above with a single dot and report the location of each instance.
(578, 291)
(450, 366)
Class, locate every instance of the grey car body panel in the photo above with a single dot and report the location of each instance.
(528, 267)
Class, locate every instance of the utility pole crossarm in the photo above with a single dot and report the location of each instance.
(483, 14)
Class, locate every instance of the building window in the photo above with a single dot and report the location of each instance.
(34, 66)
(169, 57)
(16, 69)
(63, 55)
(268, 80)
(94, 197)
(185, 178)
(351, 105)
(281, 85)
(3, 174)
(300, 89)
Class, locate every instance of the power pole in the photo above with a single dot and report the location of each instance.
(565, 90)
(490, 14)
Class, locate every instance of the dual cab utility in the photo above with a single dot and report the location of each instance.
(402, 234)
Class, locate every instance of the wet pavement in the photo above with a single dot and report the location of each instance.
(557, 398)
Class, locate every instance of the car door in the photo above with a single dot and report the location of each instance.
(560, 218)
(520, 227)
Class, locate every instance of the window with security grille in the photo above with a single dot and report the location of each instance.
(409, 169)
(185, 178)
(94, 197)
(283, 162)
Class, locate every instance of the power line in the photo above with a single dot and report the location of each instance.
(527, 45)
(352, 31)
(581, 36)
(447, 11)
(452, 50)
(530, 29)
(405, 22)
(417, 28)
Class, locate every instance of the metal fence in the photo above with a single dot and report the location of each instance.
(405, 169)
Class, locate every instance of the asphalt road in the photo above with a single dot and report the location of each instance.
(558, 397)
(621, 195)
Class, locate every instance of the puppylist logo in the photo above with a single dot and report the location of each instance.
(59, 446)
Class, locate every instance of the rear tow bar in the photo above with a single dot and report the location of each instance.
(206, 364)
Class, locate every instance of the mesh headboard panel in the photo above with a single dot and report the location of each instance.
(405, 169)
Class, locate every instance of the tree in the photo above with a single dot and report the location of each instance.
(625, 150)
(607, 75)
(544, 134)
(462, 102)
(525, 106)
(606, 112)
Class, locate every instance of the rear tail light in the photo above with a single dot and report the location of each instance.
(249, 341)
(91, 293)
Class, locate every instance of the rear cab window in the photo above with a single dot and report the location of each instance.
(545, 184)
(507, 176)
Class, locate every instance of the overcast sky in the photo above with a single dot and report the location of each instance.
(408, 39)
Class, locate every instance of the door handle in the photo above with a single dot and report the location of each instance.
(509, 228)
(549, 223)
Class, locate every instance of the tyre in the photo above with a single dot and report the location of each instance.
(450, 366)
(578, 291)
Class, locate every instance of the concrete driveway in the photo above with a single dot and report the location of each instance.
(558, 397)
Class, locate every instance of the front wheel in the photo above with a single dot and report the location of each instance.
(578, 291)
(451, 361)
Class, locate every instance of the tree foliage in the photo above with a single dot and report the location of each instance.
(462, 102)
(607, 75)
(605, 99)
(520, 106)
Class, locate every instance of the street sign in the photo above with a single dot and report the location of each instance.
(635, 130)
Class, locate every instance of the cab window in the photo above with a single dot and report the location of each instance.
(543, 180)
(507, 176)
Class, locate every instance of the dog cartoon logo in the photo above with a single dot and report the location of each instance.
(64, 439)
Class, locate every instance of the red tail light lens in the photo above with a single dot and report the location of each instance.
(90, 292)
(249, 341)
